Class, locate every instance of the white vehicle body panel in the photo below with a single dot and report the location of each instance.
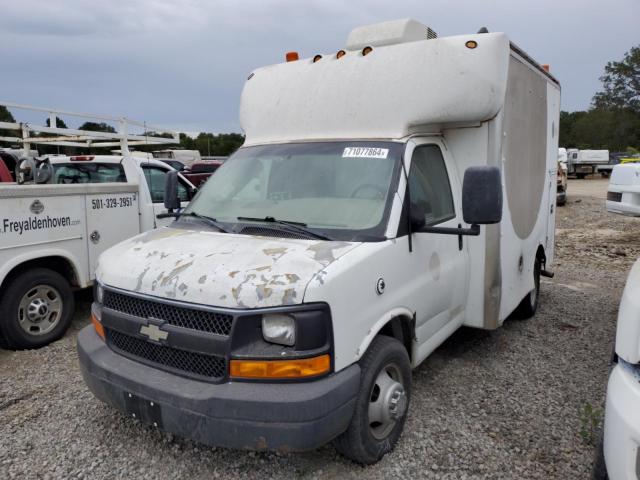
(623, 195)
(622, 415)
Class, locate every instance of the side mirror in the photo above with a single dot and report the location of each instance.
(171, 199)
(482, 195)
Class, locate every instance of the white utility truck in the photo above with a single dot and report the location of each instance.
(623, 194)
(585, 162)
(52, 234)
(339, 247)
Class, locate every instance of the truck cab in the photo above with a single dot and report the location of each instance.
(351, 235)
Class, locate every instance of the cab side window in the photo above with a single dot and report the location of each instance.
(429, 185)
(156, 178)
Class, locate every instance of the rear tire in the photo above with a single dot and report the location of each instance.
(599, 471)
(529, 304)
(35, 309)
(382, 404)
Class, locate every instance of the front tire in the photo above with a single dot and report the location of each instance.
(382, 404)
(35, 309)
(529, 304)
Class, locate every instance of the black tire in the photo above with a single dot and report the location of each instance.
(45, 289)
(599, 471)
(364, 442)
(529, 304)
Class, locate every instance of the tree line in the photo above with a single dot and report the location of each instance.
(613, 121)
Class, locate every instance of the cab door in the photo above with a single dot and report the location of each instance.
(155, 177)
(439, 262)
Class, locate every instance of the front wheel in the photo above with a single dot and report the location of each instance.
(35, 309)
(529, 304)
(382, 404)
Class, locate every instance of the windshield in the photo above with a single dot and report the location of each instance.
(88, 173)
(341, 189)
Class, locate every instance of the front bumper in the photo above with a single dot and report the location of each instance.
(256, 416)
(622, 423)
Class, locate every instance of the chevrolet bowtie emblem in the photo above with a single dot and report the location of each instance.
(153, 332)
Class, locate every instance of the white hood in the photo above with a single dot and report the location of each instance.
(218, 269)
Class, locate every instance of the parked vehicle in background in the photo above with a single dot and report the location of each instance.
(335, 251)
(175, 164)
(623, 194)
(52, 233)
(199, 172)
(619, 455)
(186, 157)
(614, 159)
(561, 182)
(585, 162)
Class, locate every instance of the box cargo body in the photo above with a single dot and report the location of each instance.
(386, 195)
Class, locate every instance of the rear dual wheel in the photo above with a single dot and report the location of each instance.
(382, 404)
(529, 304)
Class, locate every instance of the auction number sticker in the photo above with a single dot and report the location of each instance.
(113, 202)
(365, 152)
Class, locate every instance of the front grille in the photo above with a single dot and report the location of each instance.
(273, 232)
(614, 196)
(180, 361)
(211, 322)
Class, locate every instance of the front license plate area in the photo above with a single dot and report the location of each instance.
(147, 411)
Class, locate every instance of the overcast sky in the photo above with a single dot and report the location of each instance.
(182, 63)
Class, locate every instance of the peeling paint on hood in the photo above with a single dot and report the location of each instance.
(218, 269)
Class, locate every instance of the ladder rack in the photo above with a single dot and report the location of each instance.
(27, 133)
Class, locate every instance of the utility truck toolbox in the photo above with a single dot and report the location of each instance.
(386, 195)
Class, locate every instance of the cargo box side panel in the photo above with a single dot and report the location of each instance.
(525, 150)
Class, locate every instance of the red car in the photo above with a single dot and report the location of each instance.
(199, 172)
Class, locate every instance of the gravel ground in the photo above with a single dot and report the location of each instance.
(502, 404)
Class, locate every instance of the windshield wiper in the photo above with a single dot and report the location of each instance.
(209, 220)
(297, 226)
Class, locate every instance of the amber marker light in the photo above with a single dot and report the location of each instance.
(317, 58)
(291, 56)
(546, 68)
(340, 54)
(98, 326)
(367, 51)
(471, 44)
(280, 369)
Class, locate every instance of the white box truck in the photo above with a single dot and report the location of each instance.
(585, 162)
(385, 196)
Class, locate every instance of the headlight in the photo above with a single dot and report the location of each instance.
(99, 292)
(279, 328)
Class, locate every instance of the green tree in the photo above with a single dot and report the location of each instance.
(621, 84)
(5, 116)
(59, 123)
(97, 127)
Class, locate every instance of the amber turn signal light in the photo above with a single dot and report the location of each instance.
(471, 44)
(98, 326)
(280, 369)
(291, 56)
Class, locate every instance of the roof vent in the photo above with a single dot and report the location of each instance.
(389, 33)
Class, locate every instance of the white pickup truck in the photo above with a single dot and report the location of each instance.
(386, 195)
(52, 234)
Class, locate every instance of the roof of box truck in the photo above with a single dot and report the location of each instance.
(391, 80)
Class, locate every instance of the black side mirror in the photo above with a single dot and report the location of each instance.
(482, 195)
(171, 198)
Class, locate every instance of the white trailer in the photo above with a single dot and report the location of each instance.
(585, 162)
(386, 195)
(52, 234)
